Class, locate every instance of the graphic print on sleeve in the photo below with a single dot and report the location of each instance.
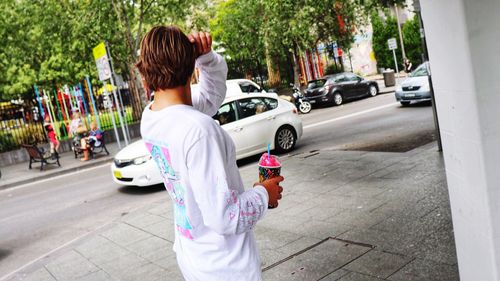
(174, 187)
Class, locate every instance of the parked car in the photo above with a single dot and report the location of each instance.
(338, 88)
(237, 87)
(242, 86)
(252, 122)
(415, 87)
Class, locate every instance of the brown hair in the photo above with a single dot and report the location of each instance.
(167, 58)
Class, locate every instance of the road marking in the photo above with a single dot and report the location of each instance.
(349, 116)
(7, 190)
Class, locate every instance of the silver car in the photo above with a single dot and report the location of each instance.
(415, 87)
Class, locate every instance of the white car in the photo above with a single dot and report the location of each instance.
(236, 87)
(415, 87)
(242, 86)
(253, 122)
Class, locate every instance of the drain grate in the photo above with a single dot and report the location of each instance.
(314, 246)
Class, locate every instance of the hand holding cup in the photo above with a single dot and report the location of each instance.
(274, 190)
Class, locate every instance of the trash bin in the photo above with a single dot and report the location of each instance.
(389, 78)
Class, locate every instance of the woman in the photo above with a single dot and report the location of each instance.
(78, 130)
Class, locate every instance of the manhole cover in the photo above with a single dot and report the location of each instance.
(316, 261)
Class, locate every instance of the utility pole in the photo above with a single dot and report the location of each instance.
(115, 95)
(399, 30)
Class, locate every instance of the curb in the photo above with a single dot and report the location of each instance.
(59, 172)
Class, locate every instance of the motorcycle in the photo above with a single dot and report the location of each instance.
(301, 102)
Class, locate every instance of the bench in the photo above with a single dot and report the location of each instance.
(39, 155)
(94, 149)
(98, 148)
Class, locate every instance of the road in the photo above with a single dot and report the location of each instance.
(38, 218)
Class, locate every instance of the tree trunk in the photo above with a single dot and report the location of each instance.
(273, 73)
(135, 91)
(259, 72)
(295, 65)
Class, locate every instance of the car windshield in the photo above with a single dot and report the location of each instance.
(316, 83)
(420, 71)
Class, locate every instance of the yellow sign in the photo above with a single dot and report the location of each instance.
(101, 61)
(99, 51)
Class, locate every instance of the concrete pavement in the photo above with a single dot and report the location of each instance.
(345, 215)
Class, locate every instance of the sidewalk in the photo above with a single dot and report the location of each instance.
(345, 215)
(19, 174)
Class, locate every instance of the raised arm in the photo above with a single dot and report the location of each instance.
(208, 96)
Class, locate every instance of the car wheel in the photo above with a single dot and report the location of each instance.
(285, 139)
(373, 91)
(405, 103)
(305, 107)
(337, 98)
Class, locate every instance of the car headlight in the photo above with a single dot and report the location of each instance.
(141, 160)
(399, 88)
(425, 87)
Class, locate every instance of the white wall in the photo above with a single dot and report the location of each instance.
(463, 38)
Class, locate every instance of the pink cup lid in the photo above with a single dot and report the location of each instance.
(271, 161)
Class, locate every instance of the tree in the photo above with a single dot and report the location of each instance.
(49, 42)
(282, 29)
(237, 27)
(413, 41)
(382, 31)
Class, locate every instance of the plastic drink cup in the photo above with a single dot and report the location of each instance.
(269, 167)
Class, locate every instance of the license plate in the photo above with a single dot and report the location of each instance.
(312, 101)
(117, 174)
(410, 95)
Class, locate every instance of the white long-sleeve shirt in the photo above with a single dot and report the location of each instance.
(214, 215)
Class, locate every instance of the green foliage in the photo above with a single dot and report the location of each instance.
(7, 142)
(237, 26)
(258, 32)
(413, 42)
(332, 69)
(50, 42)
(383, 30)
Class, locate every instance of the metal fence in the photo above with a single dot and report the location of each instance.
(21, 121)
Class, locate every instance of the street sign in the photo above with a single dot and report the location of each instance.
(392, 44)
(101, 60)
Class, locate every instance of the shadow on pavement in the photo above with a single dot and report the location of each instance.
(395, 143)
(4, 253)
(142, 190)
(419, 104)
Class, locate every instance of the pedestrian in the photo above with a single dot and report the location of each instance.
(54, 143)
(95, 135)
(214, 214)
(407, 65)
(78, 130)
